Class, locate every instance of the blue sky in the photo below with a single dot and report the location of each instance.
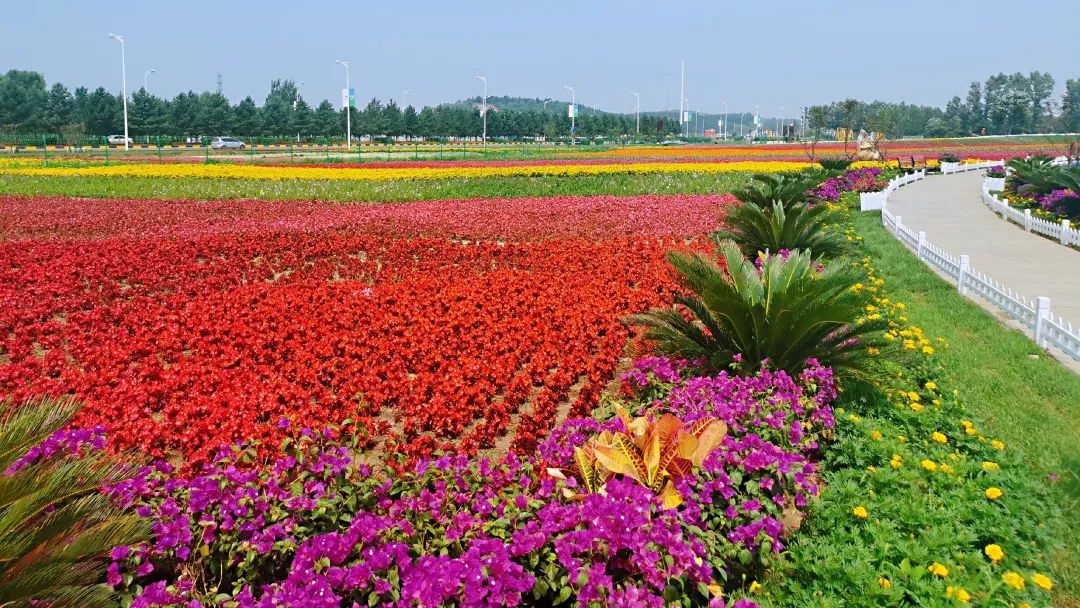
(764, 53)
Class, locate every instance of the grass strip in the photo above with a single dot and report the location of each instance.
(354, 191)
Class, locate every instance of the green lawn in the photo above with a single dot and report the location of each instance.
(1021, 395)
(356, 191)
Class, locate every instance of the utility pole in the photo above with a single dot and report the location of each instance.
(573, 113)
(637, 111)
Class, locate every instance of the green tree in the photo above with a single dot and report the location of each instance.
(974, 117)
(303, 117)
(22, 100)
(391, 119)
(1070, 106)
(147, 114)
(104, 113)
(410, 122)
(215, 114)
(59, 108)
(328, 121)
(245, 117)
(1040, 89)
(184, 115)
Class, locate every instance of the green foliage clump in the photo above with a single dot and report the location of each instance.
(804, 227)
(56, 525)
(786, 311)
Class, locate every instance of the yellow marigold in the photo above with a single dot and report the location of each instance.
(994, 552)
(931, 386)
(914, 396)
(755, 587)
(1042, 581)
(889, 336)
(945, 468)
(963, 596)
(939, 437)
(1013, 580)
(997, 444)
(916, 407)
(860, 512)
(901, 438)
(854, 418)
(990, 466)
(872, 469)
(896, 463)
(994, 493)
(929, 465)
(939, 570)
(875, 435)
(928, 350)
(884, 582)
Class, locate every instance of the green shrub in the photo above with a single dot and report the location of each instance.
(787, 311)
(835, 164)
(756, 230)
(56, 526)
(787, 188)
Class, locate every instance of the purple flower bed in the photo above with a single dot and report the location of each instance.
(860, 180)
(319, 528)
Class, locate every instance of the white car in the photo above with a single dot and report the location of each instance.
(118, 140)
(224, 143)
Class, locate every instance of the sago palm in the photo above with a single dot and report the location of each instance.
(785, 312)
(56, 526)
(809, 228)
(787, 188)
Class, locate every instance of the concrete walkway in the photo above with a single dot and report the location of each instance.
(950, 209)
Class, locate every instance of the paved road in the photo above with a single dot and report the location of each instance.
(950, 209)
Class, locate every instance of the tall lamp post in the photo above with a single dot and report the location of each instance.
(573, 112)
(146, 79)
(123, 81)
(637, 112)
(546, 101)
(295, 104)
(780, 123)
(483, 109)
(757, 117)
(723, 125)
(348, 106)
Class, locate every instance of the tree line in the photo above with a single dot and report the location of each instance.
(29, 108)
(1004, 104)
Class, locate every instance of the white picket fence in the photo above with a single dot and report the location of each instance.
(876, 200)
(949, 168)
(1048, 329)
(1062, 232)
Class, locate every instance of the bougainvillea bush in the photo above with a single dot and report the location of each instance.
(185, 325)
(319, 528)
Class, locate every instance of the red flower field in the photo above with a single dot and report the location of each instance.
(450, 324)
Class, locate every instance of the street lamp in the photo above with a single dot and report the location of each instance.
(295, 104)
(483, 108)
(779, 122)
(546, 101)
(686, 104)
(145, 79)
(723, 125)
(573, 112)
(123, 80)
(348, 106)
(637, 112)
(757, 117)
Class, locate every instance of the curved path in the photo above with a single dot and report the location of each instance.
(950, 209)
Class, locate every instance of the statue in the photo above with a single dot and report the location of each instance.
(868, 146)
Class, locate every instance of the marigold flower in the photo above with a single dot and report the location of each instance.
(1013, 580)
(939, 437)
(994, 552)
(1042, 581)
(913, 396)
(994, 493)
(860, 512)
(875, 435)
(931, 386)
(990, 466)
(997, 444)
(928, 464)
(938, 570)
(755, 587)
(884, 582)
